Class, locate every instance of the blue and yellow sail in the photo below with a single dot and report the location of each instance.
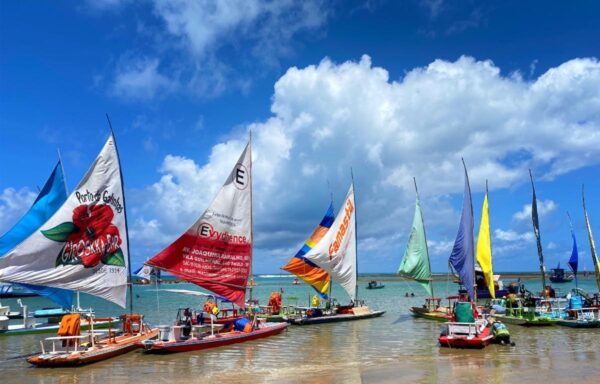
(48, 201)
(306, 270)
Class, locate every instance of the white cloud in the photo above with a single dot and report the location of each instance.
(544, 208)
(511, 236)
(13, 204)
(329, 117)
(195, 38)
(140, 80)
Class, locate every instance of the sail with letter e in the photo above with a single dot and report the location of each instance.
(216, 251)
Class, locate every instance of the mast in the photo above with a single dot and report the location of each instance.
(129, 278)
(330, 289)
(591, 240)
(65, 183)
(356, 235)
(425, 235)
(251, 219)
(536, 230)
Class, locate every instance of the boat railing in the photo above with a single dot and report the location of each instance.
(64, 340)
(466, 329)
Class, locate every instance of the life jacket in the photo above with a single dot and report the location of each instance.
(500, 329)
(70, 325)
(275, 302)
(211, 308)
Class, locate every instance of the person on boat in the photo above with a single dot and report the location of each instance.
(275, 302)
(500, 332)
(315, 301)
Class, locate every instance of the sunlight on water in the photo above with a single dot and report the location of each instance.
(374, 350)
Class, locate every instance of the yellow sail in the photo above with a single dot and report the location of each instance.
(484, 247)
(592, 245)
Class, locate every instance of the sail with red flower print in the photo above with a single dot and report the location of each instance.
(83, 246)
(216, 251)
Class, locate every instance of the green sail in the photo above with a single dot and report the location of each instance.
(415, 263)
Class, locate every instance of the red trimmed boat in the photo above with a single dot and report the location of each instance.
(466, 335)
(206, 336)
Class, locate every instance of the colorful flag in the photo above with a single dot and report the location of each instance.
(83, 246)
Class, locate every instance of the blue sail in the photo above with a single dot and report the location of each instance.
(462, 258)
(51, 197)
(574, 260)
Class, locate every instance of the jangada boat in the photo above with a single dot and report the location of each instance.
(416, 266)
(375, 285)
(216, 254)
(83, 246)
(330, 253)
(467, 329)
(71, 348)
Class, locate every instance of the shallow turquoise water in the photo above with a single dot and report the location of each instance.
(342, 352)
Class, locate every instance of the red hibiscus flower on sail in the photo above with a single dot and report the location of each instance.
(90, 239)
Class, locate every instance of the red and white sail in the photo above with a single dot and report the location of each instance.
(336, 251)
(83, 246)
(216, 252)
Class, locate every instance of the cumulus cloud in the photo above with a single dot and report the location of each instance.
(198, 35)
(510, 235)
(13, 204)
(329, 117)
(140, 80)
(544, 208)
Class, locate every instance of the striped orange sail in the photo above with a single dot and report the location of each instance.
(306, 270)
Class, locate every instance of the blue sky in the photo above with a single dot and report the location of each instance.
(391, 88)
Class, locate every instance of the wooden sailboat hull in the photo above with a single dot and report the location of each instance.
(431, 315)
(534, 322)
(219, 340)
(104, 350)
(334, 318)
(579, 323)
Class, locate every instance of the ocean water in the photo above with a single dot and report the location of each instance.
(393, 348)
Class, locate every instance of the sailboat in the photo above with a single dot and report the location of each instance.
(335, 253)
(416, 265)
(83, 247)
(309, 272)
(579, 313)
(215, 253)
(468, 329)
(50, 198)
(595, 260)
(520, 311)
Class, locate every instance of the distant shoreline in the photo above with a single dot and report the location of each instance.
(391, 277)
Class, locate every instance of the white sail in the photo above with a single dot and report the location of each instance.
(336, 252)
(83, 246)
(216, 251)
